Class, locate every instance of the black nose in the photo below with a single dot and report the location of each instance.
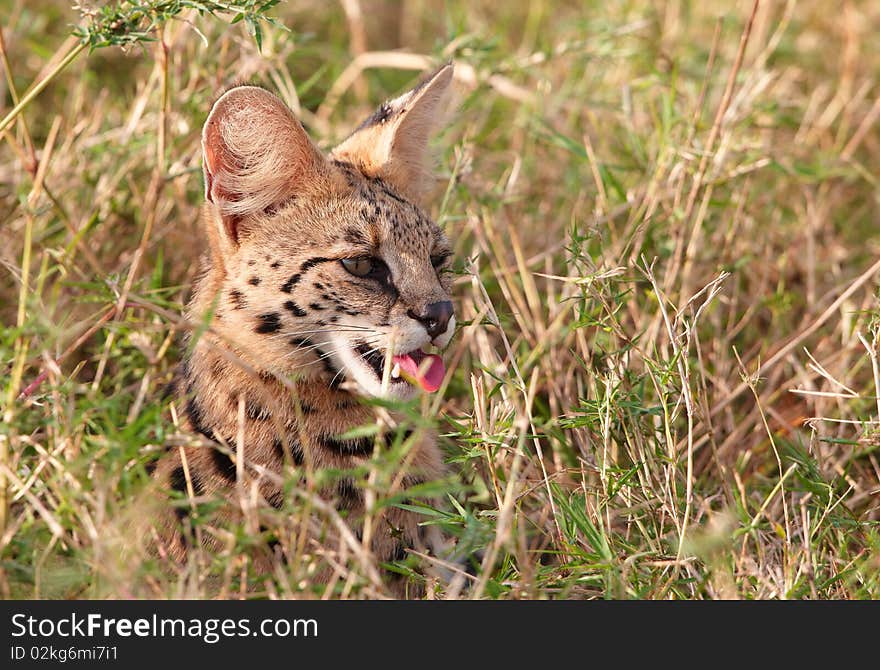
(434, 317)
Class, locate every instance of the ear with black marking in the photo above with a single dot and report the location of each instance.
(256, 155)
(393, 143)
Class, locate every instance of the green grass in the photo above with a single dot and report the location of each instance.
(665, 384)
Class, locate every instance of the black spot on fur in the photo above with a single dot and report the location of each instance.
(347, 404)
(276, 499)
(348, 171)
(290, 283)
(349, 495)
(268, 323)
(312, 262)
(355, 236)
(255, 411)
(337, 376)
(318, 285)
(399, 553)
(409, 481)
(198, 487)
(254, 281)
(294, 309)
(177, 480)
(362, 446)
(315, 306)
(277, 207)
(296, 452)
(300, 342)
(197, 418)
(392, 194)
(223, 464)
(236, 297)
(275, 265)
(278, 448)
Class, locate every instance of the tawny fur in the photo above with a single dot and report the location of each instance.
(286, 315)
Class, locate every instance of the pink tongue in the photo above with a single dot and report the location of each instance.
(431, 366)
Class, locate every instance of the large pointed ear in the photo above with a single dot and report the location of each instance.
(256, 155)
(393, 143)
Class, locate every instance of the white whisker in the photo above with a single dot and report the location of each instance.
(302, 348)
(296, 333)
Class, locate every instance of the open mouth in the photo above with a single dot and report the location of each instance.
(417, 368)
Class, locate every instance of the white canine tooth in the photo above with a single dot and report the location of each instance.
(395, 371)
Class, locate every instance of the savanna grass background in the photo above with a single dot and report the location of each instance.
(665, 215)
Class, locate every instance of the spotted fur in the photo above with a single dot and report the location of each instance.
(299, 337)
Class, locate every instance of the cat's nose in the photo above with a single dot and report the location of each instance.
(434, 317)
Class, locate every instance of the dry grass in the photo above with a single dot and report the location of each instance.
(666, 383)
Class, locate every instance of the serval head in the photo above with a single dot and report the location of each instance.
(326, 265)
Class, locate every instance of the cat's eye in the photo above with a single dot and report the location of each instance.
(359, 267)
(364, 266)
